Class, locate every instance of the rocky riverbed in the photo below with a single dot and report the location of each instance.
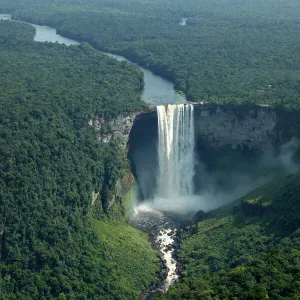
(163, 236)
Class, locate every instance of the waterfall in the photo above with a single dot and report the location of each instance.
(175, 150)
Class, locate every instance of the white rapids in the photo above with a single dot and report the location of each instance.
(166, 240)
(147, 219)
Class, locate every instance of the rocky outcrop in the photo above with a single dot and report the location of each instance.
(119, 192)
(108, 130)
(123, 186)
(95, 197)
(254, 207)
(114, 129)
(199, 216)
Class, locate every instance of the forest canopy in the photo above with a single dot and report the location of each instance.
(52, 245)
(238, 52)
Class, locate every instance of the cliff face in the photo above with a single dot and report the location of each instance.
(114, 129)
(229, 140)
(220, 126)
(258, 127)
(109, 130)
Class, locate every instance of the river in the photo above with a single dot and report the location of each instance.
(157, 91)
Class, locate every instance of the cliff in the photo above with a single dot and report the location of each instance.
(257, 127)
(234, 145)
(254, 126)
(222, 126)
(224, 135)
(114, 129)
(117, 129)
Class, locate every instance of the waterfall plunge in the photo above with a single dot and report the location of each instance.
(174, 183)
(175, 151)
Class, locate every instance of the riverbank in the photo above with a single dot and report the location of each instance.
(162, 232)
(157, 90)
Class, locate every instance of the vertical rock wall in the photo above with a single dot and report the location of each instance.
(108, 130)
(228, 138)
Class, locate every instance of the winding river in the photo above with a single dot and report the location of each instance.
(157, 91)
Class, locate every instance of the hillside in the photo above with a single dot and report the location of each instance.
(247, 250)
(54, 244)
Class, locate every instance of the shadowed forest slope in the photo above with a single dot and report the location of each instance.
(247, 250)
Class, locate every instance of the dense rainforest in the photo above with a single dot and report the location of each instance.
(229, 51)
(54, 243)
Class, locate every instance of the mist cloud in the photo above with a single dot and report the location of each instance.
(212, 195)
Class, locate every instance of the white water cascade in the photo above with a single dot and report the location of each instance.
(175, 187)
(175, 151)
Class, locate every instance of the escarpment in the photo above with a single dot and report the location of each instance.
(247, 141)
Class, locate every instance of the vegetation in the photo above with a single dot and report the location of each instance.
(50, 164)
(56, 245)
(247, 250)
(238, 52)
(128, 255)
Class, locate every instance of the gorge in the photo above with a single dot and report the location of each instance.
(196, 158)
(235, 147)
